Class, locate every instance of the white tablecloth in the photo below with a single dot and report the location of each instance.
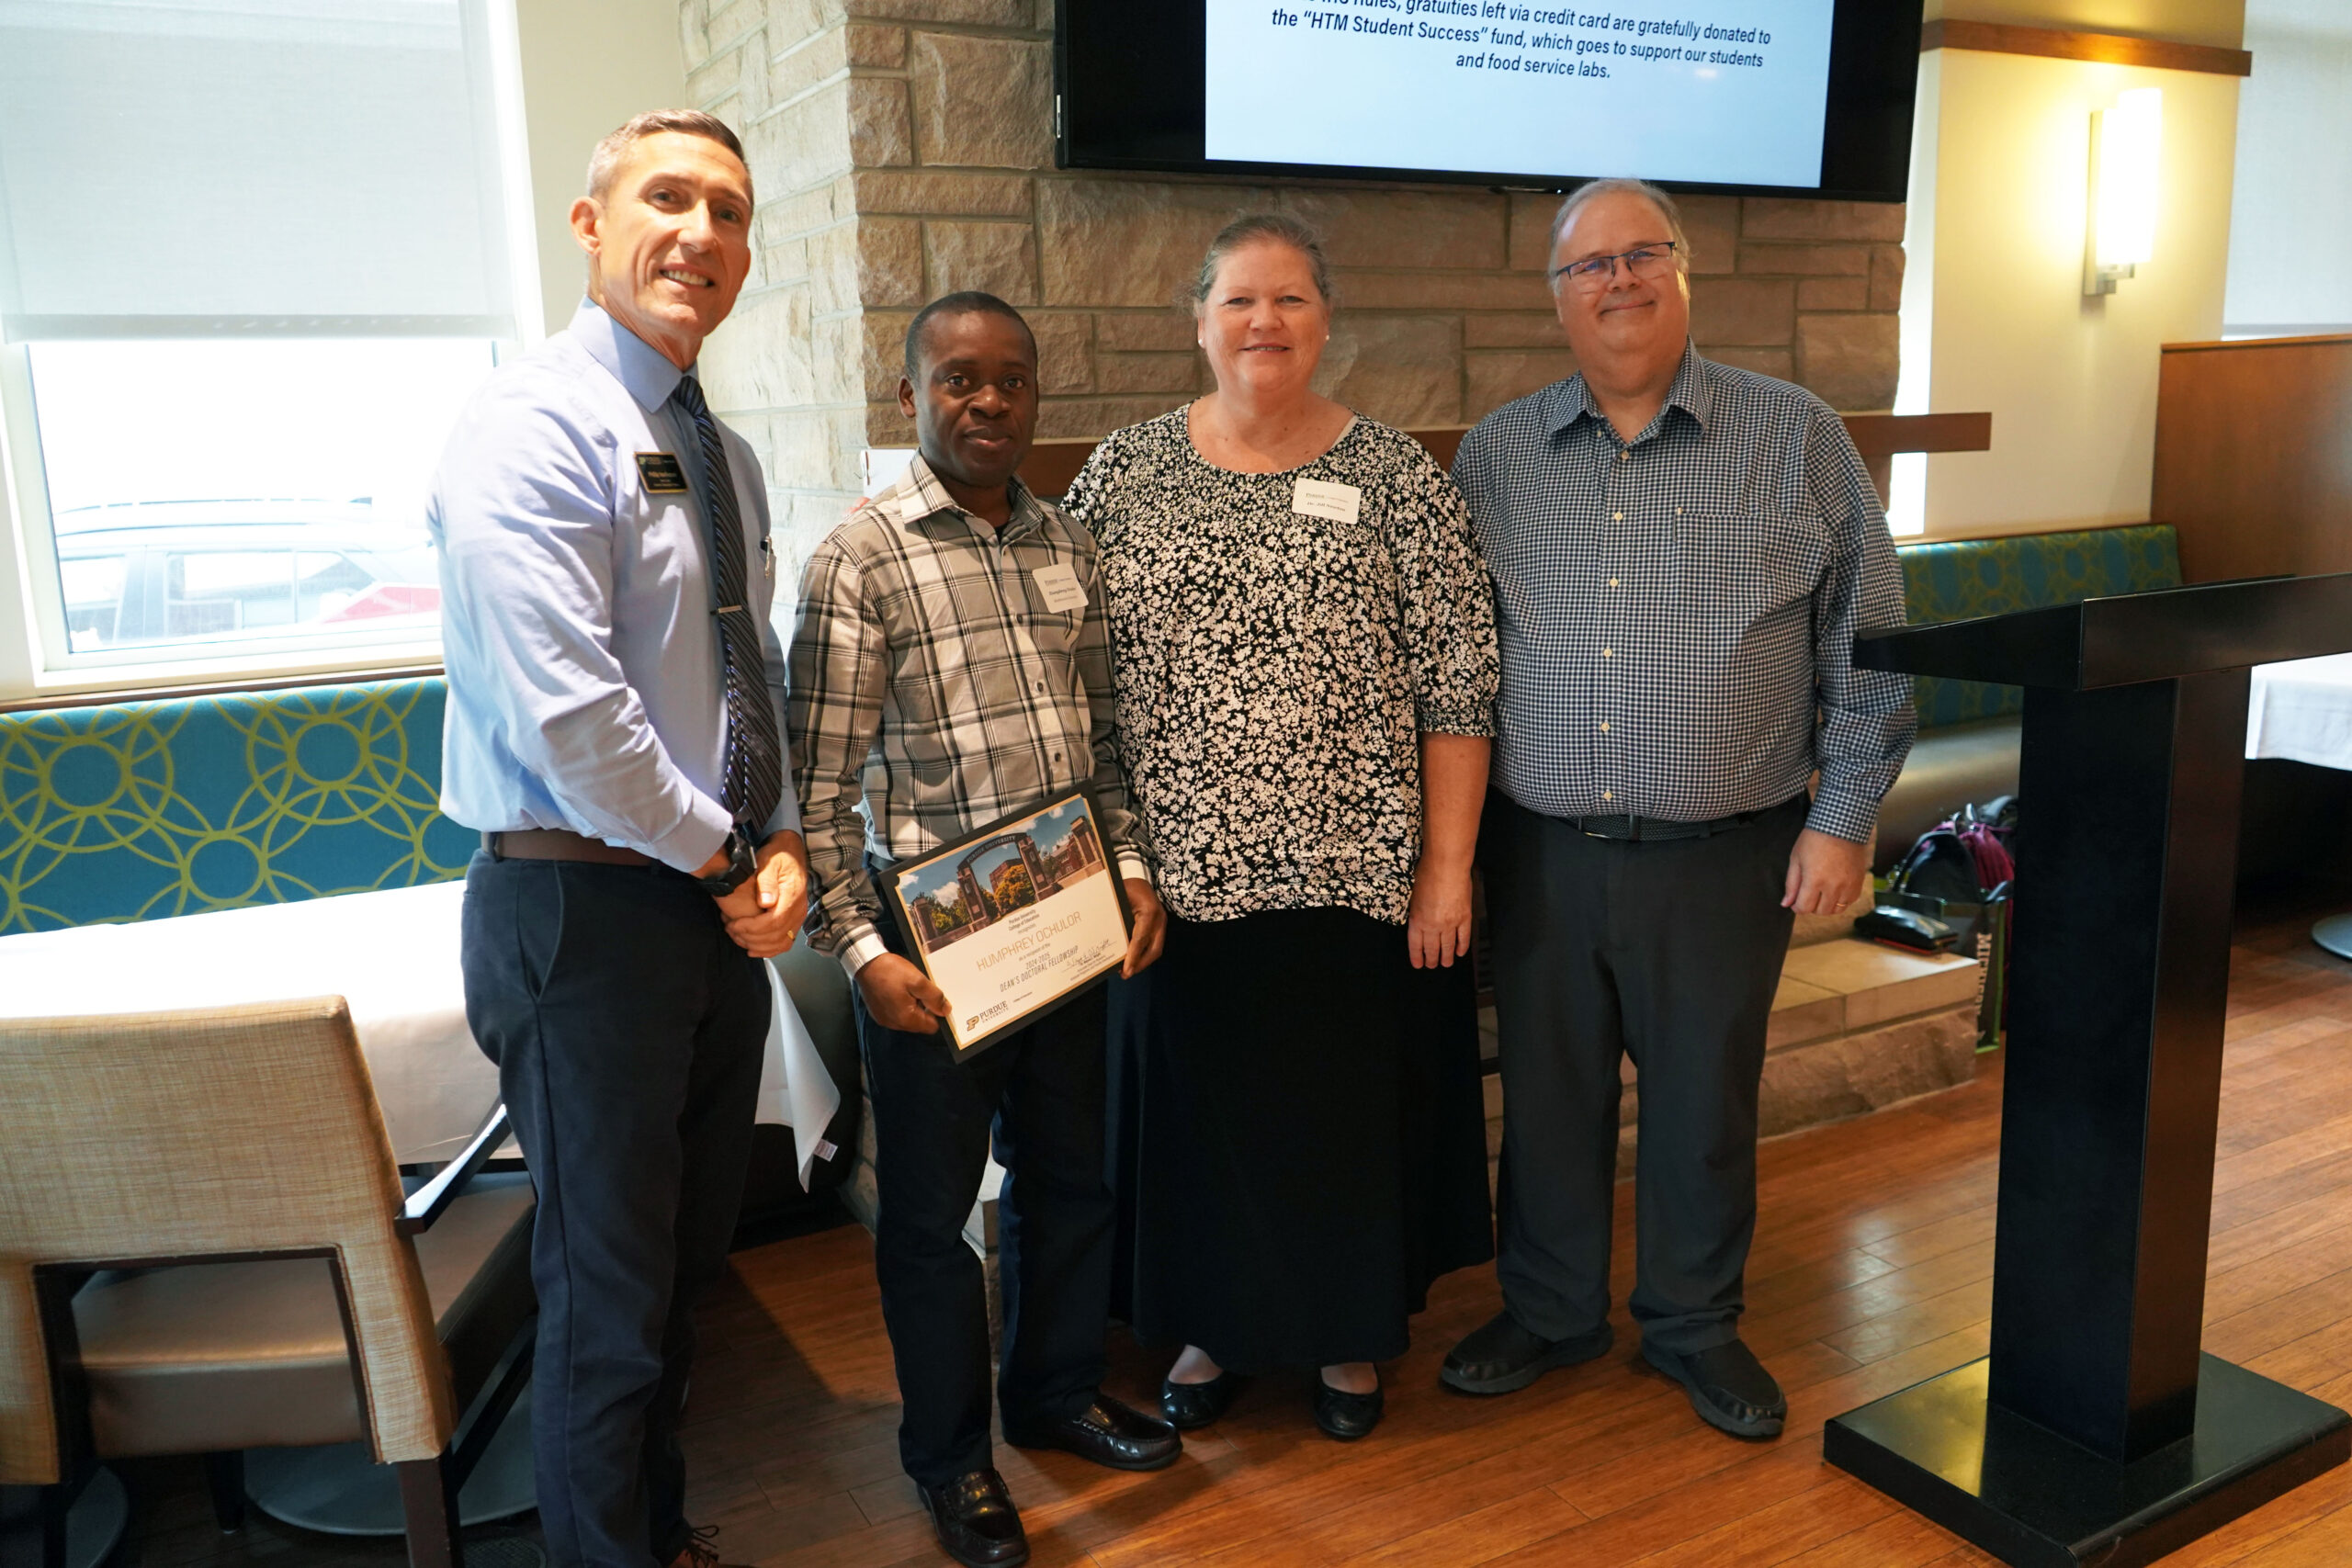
(2303, 711)
(393, 957)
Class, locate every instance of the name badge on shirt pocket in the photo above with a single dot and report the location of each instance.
(1061, 588)
(1322, 497)
(661, 474)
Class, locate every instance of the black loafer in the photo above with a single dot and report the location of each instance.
(1728, 1387)
(1107, 1432)
(1503, 1358)
(1347, 1417)
(976, 1521)
(1190, 1404)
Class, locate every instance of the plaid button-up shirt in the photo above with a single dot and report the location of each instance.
(1676, 613)
(932, 691)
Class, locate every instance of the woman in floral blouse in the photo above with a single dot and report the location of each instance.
(1307, 677)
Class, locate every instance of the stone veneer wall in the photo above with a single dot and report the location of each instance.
(903, 148)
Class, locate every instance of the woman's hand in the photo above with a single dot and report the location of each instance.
(1152, 925)
(1453, 789)
(1436, 925)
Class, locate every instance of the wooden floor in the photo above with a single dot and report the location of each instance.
(1871, 1270)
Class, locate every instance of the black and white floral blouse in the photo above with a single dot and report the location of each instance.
(1276, 670)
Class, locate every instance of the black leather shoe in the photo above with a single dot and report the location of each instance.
(1189, 1404)
(976, 1521)
(1107, 1432)
(1344, 1415)
(701, 1551)
(1728, 1387)
(1503, 1358)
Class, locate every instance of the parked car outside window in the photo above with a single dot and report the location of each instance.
(240, 572)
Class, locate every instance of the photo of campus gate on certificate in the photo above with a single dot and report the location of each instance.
(1015, 920)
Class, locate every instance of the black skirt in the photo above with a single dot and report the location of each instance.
(1299, 1137)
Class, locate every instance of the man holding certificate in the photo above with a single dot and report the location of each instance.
(951, 671)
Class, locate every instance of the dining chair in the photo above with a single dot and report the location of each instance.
(205, 1247)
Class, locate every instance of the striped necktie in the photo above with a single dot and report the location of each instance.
(754, 766)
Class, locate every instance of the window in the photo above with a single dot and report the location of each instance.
(255, 255)
(214, 493)
(2290, 219)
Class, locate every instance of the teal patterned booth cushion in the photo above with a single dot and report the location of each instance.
(1967, 578)
(139, 810)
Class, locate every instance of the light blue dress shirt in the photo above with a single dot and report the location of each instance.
(576, 625)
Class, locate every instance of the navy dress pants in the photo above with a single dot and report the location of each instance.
(629, 1033)
(1668, 951)
(1039, 1092)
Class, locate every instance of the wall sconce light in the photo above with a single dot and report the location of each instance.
(2124, 143)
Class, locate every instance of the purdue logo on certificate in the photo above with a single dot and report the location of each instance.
(1015, 920)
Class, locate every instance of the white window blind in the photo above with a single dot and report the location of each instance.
(2290, 209)
(250, 168)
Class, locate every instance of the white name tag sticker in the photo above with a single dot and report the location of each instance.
(1062, 590)
(1321, 498)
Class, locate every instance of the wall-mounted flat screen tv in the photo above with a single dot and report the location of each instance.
(1789, 97)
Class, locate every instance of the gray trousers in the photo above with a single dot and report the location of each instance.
(1670, 951)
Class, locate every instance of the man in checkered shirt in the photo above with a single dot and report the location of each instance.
(950, 666)
(1681, 553)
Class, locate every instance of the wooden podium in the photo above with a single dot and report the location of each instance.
(2098, 1430)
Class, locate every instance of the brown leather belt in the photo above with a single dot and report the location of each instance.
(556, 843)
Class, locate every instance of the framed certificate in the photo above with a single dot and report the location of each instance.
(1015, 920)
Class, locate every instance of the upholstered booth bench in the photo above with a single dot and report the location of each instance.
(1967, 748)
(136, 811)
(140, 811)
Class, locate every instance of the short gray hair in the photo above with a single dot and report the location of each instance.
(1593, 191)
(606, 159)
(1264, 228)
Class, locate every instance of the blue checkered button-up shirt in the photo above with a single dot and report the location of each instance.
(1676, 613)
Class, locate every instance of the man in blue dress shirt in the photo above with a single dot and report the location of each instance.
(1681, 554)
(615, 732)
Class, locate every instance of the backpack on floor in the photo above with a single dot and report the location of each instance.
(1960, 860)
(1961, 872)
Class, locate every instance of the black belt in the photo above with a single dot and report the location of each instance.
(1643, 829)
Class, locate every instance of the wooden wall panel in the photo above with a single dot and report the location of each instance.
(2253, 455)
(2105, 48)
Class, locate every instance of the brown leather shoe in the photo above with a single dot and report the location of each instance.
(976, 1521)
(701, 1551)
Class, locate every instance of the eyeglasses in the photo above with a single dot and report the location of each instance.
(1596, 272)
